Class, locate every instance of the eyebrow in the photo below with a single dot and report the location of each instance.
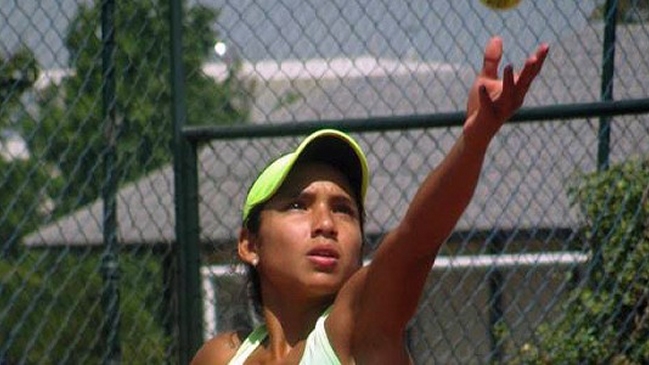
(288, 194)
(344, 198)
(297, 193)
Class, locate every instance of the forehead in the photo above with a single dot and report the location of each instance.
(306, 173)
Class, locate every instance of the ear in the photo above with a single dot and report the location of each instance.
(247, 247)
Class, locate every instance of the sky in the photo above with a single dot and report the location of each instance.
(429, 30)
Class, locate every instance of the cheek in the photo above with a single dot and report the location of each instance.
(355, 244)
(283, 238)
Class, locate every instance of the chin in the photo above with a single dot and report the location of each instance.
(327, 285)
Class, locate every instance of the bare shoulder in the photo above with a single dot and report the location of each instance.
(218, 350)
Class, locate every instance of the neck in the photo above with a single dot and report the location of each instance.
(289, 323)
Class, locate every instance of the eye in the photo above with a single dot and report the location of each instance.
(295, 205)
(347, 209)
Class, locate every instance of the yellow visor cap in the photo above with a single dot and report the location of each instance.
(329, 146)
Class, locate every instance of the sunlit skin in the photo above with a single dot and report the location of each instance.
(309, 240)
(308, 246)
(371, 305)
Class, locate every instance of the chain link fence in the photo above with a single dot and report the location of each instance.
(112, 253)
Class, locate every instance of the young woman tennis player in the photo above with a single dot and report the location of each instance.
(303, 231)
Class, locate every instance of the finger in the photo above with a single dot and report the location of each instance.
(536, 61)
(532, 67)
(508, 82)
(492, 54)
(542, 52)
(485, 99)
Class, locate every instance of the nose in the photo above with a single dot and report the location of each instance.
(323, 221)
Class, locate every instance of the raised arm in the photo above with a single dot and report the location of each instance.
(390, 288)
(446, 192)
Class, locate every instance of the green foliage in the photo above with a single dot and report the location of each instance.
(72, 133)
(607, 319)
(23, 198)
(17, 75)
(54, 313)
(51, 308)
(628, 11)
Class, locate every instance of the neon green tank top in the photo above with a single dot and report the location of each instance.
(317, 350)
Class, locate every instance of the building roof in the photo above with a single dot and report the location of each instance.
(523, 183)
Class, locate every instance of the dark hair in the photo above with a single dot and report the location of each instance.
(252, 224)
(253, 287)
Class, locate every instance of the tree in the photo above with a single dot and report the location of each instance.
(17, 75)
(71, 132)
(607, 319)
(22, 197)
(628, 11)
(51, 308)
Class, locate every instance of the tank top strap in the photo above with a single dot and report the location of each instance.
(249, 345)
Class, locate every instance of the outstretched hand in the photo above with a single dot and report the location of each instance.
(491, 100)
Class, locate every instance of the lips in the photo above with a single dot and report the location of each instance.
(324, 252)
(324, 257)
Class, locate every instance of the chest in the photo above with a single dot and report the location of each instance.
(264, 355)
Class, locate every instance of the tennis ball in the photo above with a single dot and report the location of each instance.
(500, 4)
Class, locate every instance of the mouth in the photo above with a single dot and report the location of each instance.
(323, 258)
(324, 252)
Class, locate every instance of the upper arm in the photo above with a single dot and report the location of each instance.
(218, 350)
(397, 274)
(392, 287)
(370, 314)
(371, 311)
(383, 296)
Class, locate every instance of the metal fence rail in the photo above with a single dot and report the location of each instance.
(130, 131)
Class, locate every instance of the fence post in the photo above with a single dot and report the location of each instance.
(608, 71)
(495, 246)
(110, 261)
(187, 278)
